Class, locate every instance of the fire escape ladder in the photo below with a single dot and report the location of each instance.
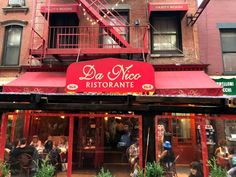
(98, 10)
(39, 36)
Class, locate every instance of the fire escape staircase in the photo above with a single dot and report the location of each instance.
(39, 30)
(106, 17)
(93, 8)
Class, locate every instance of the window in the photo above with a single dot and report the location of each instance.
(12, 45)
(228, 45)
(16, 3)
(108, 42)
(166, 33)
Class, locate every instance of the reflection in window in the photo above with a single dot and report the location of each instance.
(165, 33)
(12, 46)
(182, 129)
(228, 44)
(109, 42)
(16, 3)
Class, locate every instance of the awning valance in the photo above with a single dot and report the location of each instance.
(194, 83)
(38, 82)
(157, 7)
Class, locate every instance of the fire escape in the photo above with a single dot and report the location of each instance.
(85, 42)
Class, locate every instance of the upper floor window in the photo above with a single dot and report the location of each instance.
(16, 3)
(12, 45)
(166, 33)
(109, 42)
(228, 45)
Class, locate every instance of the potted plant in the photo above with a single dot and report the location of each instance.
(5, 170)
(216, 170)
(104, 173)
(153, 170)
(45, 169)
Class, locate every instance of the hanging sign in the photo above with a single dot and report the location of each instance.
(110, 75)
(228, 84)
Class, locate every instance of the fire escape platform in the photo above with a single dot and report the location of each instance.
(75, 51)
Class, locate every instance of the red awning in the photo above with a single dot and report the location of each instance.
(195, 83)
(39, 82)
(157, 7)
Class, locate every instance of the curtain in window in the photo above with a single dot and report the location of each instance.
(166, 33)
(12, 45)
(228, 43)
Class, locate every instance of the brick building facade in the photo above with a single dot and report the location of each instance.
(49, 36)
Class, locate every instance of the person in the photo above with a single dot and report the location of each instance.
(133, 156)
(23, 148)
(53, 153)
(222, 154)
(37, 144)
(232, 171)
(167, 157)
(125, 139)
(195, 169)
(63, 144)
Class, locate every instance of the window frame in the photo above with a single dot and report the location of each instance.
(179, 45)
(226, 30)
(124, 13)
(16, 4)
(5, 48)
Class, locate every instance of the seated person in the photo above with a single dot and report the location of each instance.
(195, 169)
(21, 149)
(63, 147)
(125, 139)
(37, 144)
(53, 153)
(63, 144)
(167, 157)
(222, 154)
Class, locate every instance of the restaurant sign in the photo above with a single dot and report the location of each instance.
(228, 84)
(110, 75)
(153, 6)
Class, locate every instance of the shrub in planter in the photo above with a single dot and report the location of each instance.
(45, 169)
(215, 170)
(104, 173)
(5, 170)
(154, 170)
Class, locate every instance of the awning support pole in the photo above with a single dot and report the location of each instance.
(26, 124)
(70, 146)
(13, 126)
(204, 147)
(3, 135)
(157, 139)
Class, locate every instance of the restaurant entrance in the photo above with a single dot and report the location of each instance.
(102, 139)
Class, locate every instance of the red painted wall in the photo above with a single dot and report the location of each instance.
(217, 11)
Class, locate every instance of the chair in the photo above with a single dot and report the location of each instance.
(25, 161)
(171, 171)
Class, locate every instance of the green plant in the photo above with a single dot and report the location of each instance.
(5, 169)
(153, 170)
(215, 170)
(104, 173)
(45, 169)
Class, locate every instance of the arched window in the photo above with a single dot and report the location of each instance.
(12, 45)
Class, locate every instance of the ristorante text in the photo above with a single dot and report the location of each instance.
(118, 77)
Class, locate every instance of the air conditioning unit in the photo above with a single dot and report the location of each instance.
(16, 3)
